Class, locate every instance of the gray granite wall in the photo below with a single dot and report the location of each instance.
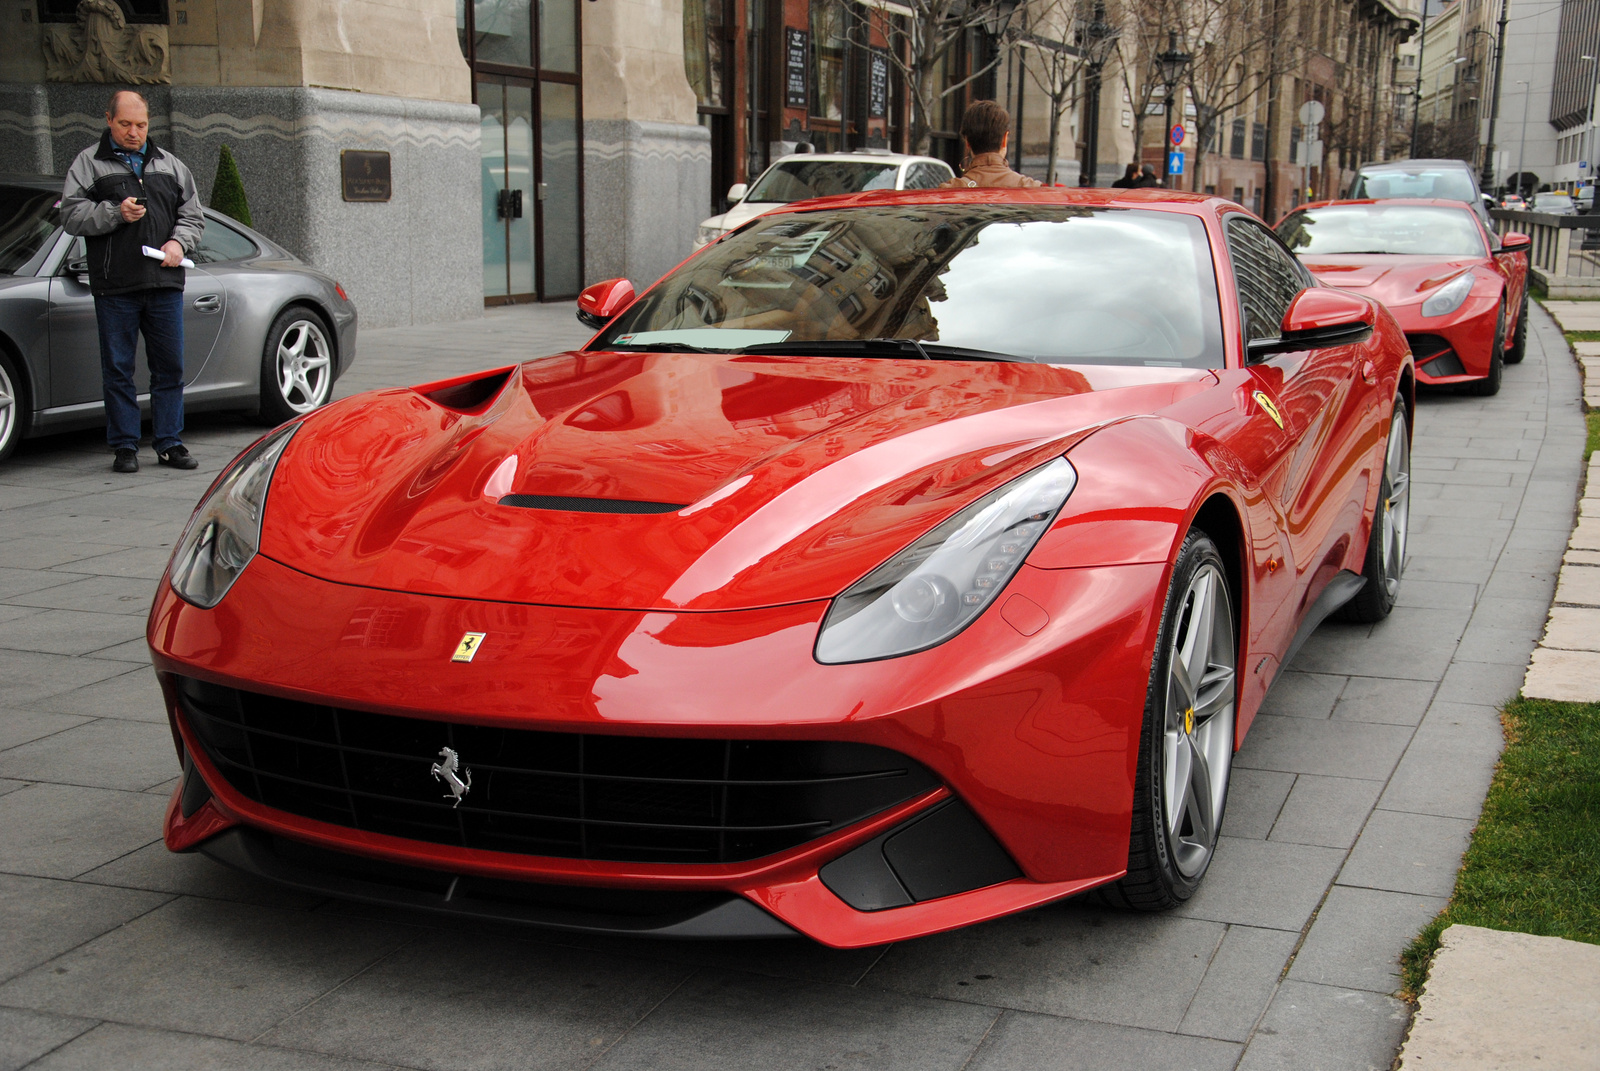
(644, 194)
(416, 258)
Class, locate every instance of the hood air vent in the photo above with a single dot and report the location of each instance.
(572, 504)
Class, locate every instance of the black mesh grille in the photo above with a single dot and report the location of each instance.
(1425, 346)
(574, 504)
(571, 795)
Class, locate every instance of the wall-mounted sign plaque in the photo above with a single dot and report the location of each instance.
(878, 86)
(364, 175)
(794, 67)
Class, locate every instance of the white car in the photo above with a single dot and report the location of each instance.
(803, 175)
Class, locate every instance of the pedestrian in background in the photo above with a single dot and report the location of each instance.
(124, 195)
(986, 128)
(1129, 179)
(1148, 178)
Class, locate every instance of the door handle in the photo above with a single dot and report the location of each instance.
(1369, 371)
(208, 303)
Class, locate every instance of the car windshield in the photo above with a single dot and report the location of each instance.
(1057, 285)
(1427, 230)
(796, 180)
(1544, 202)
(1447, 184)
(27, 220)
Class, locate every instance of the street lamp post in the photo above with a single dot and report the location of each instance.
(1098, 38)
(1170, 66)
(1522, 149)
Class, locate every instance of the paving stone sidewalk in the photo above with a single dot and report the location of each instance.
(1353, 798)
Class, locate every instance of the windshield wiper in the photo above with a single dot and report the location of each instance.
(878, 347)
(658, 347)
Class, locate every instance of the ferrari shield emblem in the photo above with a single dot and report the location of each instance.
(467, 649)
(1269, 407)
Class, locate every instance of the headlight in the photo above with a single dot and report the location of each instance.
(940, 584)
(225, 531)
(707, 234)
(1448, 298)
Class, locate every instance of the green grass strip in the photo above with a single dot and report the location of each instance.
(1583, 336)
(1534, 862)
(1594, 435)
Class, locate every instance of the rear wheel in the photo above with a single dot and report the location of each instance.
(1391, 525)
(1186, 744)
(14, 409)
(1519, 344)
(1489, 385)
(296, 366)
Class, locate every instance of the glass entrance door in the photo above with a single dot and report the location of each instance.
(532, 218)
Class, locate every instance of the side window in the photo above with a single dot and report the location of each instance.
(925, 176)
(221, 242)
(1268, 277)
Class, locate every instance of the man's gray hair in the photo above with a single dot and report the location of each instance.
(111, 105)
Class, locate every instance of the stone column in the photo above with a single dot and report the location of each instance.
(647, 163)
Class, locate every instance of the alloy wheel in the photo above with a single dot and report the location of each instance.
(1198, 737)
(8, 408)
(305, 366)
(1397, 493)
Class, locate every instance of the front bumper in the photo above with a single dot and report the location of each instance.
(1035, 735)
(1452, 349)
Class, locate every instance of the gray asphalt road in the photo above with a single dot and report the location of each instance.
(1353, 798)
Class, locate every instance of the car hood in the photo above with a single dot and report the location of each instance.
(741, 213)
(737, 481)
(1391, 279)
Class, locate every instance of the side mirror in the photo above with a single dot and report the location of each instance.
(599, 304)
(736, 192)
(1320, 317)
(1515, 241)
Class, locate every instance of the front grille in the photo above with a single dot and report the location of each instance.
(570, 795)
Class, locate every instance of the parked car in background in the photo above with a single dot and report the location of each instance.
(802, 176)
(1460, 295)
(1514, 202)
(263, 331)
(1451, 180)
(1554, 203)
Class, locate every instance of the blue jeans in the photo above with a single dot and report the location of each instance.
(159, 315)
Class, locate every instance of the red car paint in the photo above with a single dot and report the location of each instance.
(1403, 282)
(797, 476)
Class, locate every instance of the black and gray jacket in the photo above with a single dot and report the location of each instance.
(91, 205)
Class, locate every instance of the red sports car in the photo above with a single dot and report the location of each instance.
(1459, 292)
(897, 562)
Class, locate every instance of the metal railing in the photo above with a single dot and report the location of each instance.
(1565, 254)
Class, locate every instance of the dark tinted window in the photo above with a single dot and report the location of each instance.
(1046, 284)
(221, 242)
(926, 176)
(1267, 275)
(27, 220)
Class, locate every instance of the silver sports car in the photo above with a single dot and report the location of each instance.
(262, 330)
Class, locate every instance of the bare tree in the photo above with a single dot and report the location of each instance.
(923, 40)
(1052, 63)
(1145, 27)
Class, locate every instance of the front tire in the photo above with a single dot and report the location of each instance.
(296, 366)
(14, 406)
(1391, 525)
(1186, 743)
(1519, 344)
(1489, 385)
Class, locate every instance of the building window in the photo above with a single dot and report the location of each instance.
(1236, 146)
(1258, 141)
(704, 44)
(828, 29)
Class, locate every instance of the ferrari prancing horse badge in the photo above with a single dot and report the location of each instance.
(1268, 407)
(468, 647)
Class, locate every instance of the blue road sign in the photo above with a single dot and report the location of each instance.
(1174, 163)
(1176, 134)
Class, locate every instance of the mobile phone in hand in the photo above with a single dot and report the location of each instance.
(140, 201)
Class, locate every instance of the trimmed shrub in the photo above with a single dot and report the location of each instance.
(227, 191)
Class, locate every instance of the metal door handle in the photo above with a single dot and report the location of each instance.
(208, 303)
(1369, 371)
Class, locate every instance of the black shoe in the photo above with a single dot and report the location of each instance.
(127, 461)
(177, 457)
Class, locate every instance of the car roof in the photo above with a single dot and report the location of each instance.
(1174, 200)
(32, 181)
(1416, 165)
(858, 158)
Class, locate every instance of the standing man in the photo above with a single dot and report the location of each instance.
(986, 128)
(123, 195)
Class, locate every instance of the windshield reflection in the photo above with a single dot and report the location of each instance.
(1049, 284)
(1418, 230)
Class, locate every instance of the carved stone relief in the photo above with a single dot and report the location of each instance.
(102, 47)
